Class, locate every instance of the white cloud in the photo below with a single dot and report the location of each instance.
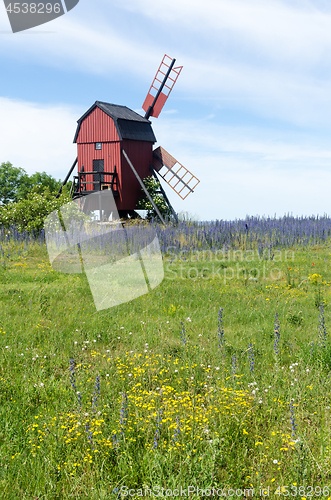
(37, 138)
(275, 28)
(269, 58)
(89, 42)
(264, 144)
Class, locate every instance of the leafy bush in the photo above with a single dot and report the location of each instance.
(153, 189)
(29, 214)
(16, 184)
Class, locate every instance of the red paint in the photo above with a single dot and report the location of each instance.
(99, 127)
(156, 84)
(158, 105)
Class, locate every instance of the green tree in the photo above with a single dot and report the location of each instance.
(38, 182)
(16, 184)
(153, 189)
(12, 179)
(29, 214)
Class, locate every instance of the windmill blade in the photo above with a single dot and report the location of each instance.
(161, 87)
(181, 180)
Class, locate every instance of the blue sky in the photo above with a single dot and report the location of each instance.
(250, 114)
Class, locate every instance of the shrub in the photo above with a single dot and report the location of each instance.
(29, 214)
(153, 189)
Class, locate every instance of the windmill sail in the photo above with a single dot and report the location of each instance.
(161, 87)
(181, 180)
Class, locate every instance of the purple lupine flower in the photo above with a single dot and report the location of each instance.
(312, 348)
(115, 441)
(158, 427)
(322, 330)
(117, 493)
(96, 393)
(220, 328)
(183, 338)
(175, 437)
(73, 382)
(123, 413)
(293, 421)
(89, 435)
(234, 364)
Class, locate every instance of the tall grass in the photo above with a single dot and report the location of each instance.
(182, 387)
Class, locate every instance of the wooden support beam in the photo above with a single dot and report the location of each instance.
(66, 179)
(143, 186)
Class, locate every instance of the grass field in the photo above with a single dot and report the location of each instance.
(219, 378)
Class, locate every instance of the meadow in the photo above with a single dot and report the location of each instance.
(216, 383)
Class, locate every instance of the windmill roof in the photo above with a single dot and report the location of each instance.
(129, 124)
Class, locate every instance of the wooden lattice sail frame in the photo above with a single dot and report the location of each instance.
(181, 180)
(163, 83)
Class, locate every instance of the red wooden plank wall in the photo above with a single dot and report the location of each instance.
(99, 127)
(140, 154)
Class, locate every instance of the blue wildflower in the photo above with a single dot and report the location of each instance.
(293, 422)
(73, 382)
(175, 437)
(183, 338)
(322, 330)
(96, 393)
(220, 328)
(158, 428)
(115, 441)
(89, 434)
(123, 413)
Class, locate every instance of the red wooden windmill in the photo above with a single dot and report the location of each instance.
(115, 148)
